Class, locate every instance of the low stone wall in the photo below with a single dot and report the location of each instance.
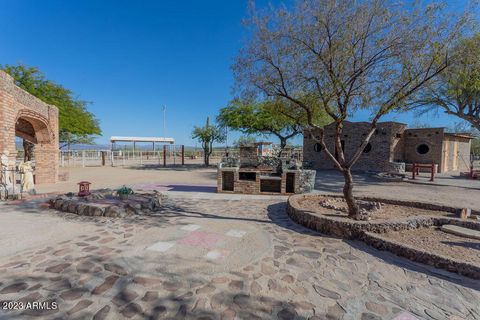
(105, 205)
(370, 231)
(411, 253)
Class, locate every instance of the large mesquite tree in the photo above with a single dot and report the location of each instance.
(349, 55)
(272, 116)
(457, 90)
(259, 118)
(76, 123)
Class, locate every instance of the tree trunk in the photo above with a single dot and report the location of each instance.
(283, 144)
(207, 150)
(353, 210)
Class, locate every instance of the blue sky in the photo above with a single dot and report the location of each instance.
(129, 58)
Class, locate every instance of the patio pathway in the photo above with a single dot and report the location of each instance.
(214, 259)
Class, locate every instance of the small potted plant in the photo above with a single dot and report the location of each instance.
(124, 192)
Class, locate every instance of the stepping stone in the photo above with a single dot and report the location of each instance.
(16, 287)
(327, 293)
(460, 231)
(57, 268)
(161, 246)
(216, 255)
(102, 313)
(405, 316)
(80, 306)
(150, 296)
(124, 297)
(34, 296)
(115, 268)
(131, 310)
(236, 233)
(144, 281)
(72, 294)
(106, 285)
(190, 227)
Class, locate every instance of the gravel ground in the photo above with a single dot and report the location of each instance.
(387, 211)
(439, 242)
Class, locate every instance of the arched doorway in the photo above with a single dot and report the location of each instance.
(33, 121)
(37, 139)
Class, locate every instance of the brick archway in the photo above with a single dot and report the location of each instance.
(25, 116)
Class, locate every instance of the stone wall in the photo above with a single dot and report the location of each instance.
(248, 156)
(391, 146)
(371, 231)
(385, 146)
(18, 106)
(431, 137)
(400, 249)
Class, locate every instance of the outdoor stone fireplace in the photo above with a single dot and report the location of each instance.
(255, 173)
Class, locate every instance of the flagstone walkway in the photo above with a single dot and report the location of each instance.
(213, 259)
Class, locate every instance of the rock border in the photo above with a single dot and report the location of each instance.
(83, 207)
(369, 231)
(438, 261)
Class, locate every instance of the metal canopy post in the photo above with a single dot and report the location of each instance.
(183, 155)
(164, 155)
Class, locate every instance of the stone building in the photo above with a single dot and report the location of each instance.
(23, 115)
(392, 148)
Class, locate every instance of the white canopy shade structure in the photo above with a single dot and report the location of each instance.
(152, 140)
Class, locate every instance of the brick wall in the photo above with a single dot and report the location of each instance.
(16, 104)
(431, 137)
(391, 145)
(385, 146)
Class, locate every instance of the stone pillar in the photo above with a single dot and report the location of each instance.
(7, 126)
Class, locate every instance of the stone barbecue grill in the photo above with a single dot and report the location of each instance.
(256, 173)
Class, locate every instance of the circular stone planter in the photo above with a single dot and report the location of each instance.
(104, 203)
(371, 231)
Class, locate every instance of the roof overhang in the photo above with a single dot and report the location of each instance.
(142, 139)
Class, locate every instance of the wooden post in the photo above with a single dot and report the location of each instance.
(103, 158)
(413, 172)
(164, 155)
(183, 155)
(432, 176)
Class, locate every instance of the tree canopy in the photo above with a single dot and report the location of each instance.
(265, 117)
(347, 55)
(457, 90)
(208, 135)
(244, 140)
(76, 123)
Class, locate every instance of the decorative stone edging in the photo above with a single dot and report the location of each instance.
(366, 230)
(116, 208)
(83, 208)
(411, 253)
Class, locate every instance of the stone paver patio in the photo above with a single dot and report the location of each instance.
(216, 259)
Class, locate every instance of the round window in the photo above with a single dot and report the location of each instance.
(423, 148)
(317, 147)
(367, 148)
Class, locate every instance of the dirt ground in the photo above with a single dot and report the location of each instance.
(326, 182)
(439, 242)
(387, 211)
(111, 177)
